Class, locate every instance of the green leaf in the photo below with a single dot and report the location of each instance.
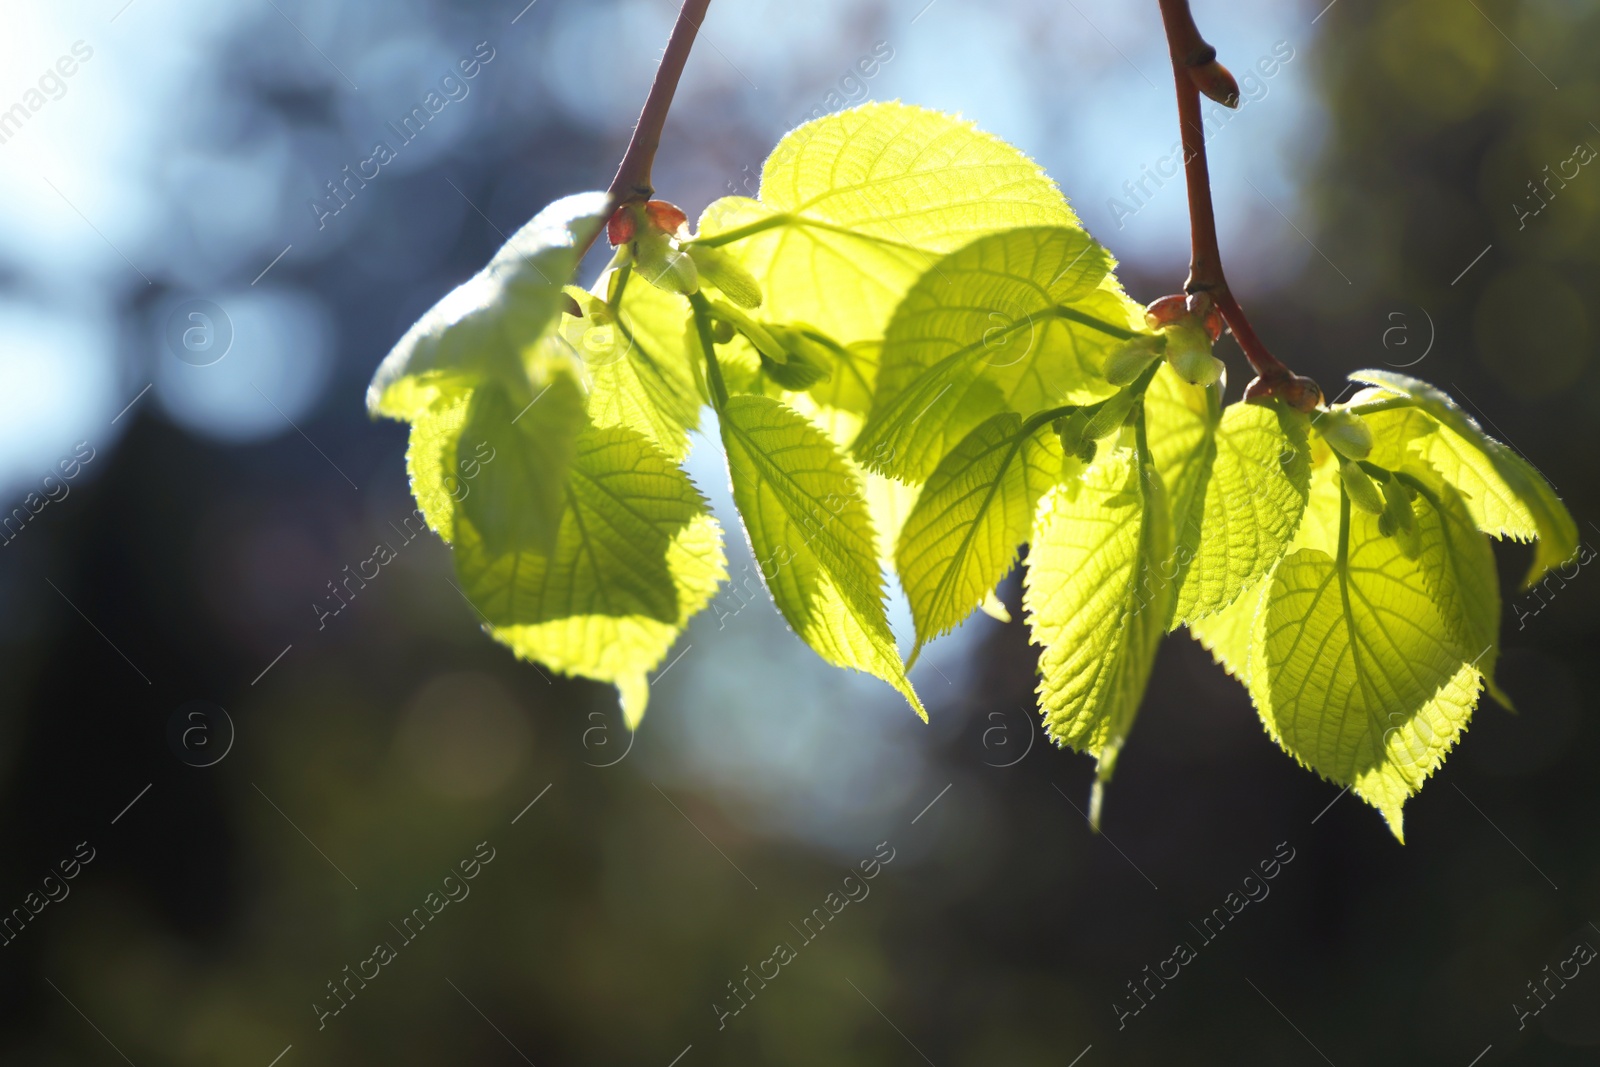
(636, 556)
(1353, 671)
(854, 207)
(811, 536)
(1012, 322)
(485, 328)
(517, 500)
(431, 461)
(640, 370)
(977, 508)
(1504, 494)
(1097, 602)
(1458, 567)
(1258, 483)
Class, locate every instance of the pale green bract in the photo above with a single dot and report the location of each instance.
(915, 296)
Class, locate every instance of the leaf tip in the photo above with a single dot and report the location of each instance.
(634, 692)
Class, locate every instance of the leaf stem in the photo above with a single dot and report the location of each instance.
(1137, 387)
(632, 181)
(702, 326)
(1191, 53)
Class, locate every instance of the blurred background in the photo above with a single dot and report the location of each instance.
(249, 794)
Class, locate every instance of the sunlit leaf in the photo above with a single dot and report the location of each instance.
(1505, 495)
(639, 368)
(853, 207)
(1096, 601)
(811, 536)
(1015, 321)
(974, 512)
(484, 328)
(637, 555)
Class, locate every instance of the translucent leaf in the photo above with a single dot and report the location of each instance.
(1227, 634)
(1096, 601)
(517, 500)
(1504, 494)
(1181, 423)
(811, 536)
(853, 207)
(1354, 672)
(637, 555)
(1012, 322)
(484, 327)
(1458, 566)
(976, 509)
(431, 461)
(639, 368)
(1258, 482)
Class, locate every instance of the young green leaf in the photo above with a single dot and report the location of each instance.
(1505, 495)
(1458, 566)
(481, 330)
(518, 499)
(640, 374)
(811, 536)
(1353, 671)
(636, 556)
(977, 507)
(1097, 602)
(854, 206)
(1015, 321)
(1255, 495)
(431, 458)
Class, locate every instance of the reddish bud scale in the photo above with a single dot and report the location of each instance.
(622, 225)
(1201, 306)
(1166, 310)
(666, 217)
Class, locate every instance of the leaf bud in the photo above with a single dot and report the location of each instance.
(664, 266)
(1202, 307)
(1112, 414)
(622, 225)
(727, 274)
(1398, 520)
(667, 217)
(1130, 360)
(798, 373)
(1217, 82)
(1346, 433)
(807, 362)
(1189, 353)
(1166, 310)
(1071, 429)
(1359, 488)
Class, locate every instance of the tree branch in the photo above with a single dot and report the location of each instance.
(632, 183)
(1195, 69)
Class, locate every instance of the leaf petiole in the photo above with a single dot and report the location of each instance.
(702, 326)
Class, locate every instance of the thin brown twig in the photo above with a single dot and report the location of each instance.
(1193, 65)
(632, 182)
